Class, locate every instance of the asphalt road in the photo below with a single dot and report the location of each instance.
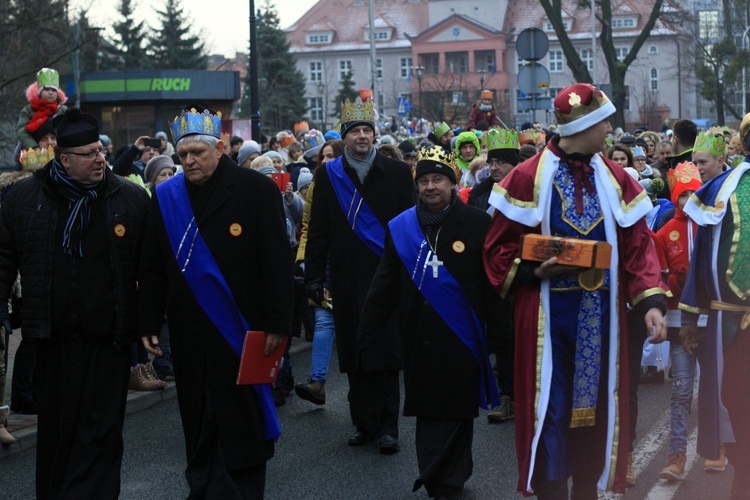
(313, 460)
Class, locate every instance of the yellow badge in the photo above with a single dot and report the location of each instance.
(120, 230)
(235, 229)
(458, 246)
(674, 235)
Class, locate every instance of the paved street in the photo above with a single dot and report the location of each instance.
(313, 461)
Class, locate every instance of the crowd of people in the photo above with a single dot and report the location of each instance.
(422, 242)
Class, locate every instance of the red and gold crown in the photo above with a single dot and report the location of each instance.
(579, 107)
(684, 173)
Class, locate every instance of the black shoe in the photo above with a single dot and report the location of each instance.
(388, 444)
(279, 399)
(651, 376)
(25, 407)
(359, 438)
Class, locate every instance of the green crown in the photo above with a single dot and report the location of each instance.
(710, 142)
(501, 138)
(357, 111)
(441, 129)
(47, 77)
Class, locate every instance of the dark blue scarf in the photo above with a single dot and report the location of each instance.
(81, 198)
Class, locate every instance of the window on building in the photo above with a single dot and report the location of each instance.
(555, 61)
(653, 49)
(553, 91)
(457, 62)
(485, 59)
(626, 105)
(549, 28)
(316, 71)
(405, 67)
(318, 38)
(654, 79)
(431, 63)
(315, 108)
(379, 68)
(587, 58)
(458, 97)
(623, 22)
(345, 66)
(708, 24)
(621, 53)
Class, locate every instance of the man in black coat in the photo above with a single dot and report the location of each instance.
(229, 222)
(432, 273)
(74, 230)
(355, 197)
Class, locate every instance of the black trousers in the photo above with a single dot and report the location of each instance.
(84, 388)
(374, 400)
(25, 383)
(443, 455)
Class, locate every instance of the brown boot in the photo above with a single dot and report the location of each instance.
(141, 381)
(313, 391)
(150, 373)
(675, 470)
(5, 437)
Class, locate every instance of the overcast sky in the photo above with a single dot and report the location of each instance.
(223, 23)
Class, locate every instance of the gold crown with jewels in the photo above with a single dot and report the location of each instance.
(437, 154)
(357, 111)
(34, 159)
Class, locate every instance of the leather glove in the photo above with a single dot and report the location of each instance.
(314, 291)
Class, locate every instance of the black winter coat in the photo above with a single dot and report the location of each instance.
(388, 190)
(257, 266)
(28, 223)
(480, 194)
(441, 375)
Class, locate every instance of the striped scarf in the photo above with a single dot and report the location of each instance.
(81, 197)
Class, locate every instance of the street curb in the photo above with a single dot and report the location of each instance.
(137, 401)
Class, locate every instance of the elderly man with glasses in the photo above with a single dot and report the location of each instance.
(73, 231)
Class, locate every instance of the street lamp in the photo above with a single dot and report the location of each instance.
(321, 90)
(419, 70)
(482, 72)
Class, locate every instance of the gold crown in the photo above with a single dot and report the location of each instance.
(712, 141)
(500, 138)
(437, 154)
(684, 172)
(34, 159)
(357, 111)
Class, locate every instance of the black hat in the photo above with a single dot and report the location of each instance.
(434, 160)
(236, 140)
(504, 155)
(627, 139)
(45, 129)
(407, 148)
(75, 128)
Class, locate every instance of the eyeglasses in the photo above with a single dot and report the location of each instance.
(90, 155)
(423, 181)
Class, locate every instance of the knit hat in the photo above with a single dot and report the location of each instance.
(46, 128)
(267, 169)
(76, 128)
(161, 135)
(407, 148)
(105, 140)
(285, 138)
(434, 160)
(246, 151)
(487, 94)
(155, 165)
(579, 107)
(332, 135)
(273, 154)
(305, 178)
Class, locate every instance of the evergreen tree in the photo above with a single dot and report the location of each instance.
(172, 46)
(127, 52)
(346, 91)
(283, 86)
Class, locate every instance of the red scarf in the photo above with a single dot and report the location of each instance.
(43, 110)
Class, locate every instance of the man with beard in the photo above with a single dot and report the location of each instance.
(355, 196)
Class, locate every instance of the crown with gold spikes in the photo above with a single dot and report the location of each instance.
(48, 77)
(501, 138)
(34, 159)
(192, 122)
(711, 141)
(357, 111)
(684, 173)
(527, 136)
(437, 154)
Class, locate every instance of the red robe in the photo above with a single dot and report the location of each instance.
(522, 202)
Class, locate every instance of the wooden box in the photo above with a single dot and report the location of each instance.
(569, 251)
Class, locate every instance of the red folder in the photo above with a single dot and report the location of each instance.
(282, 179)
(255, 366)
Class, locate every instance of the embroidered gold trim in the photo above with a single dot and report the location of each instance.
(691, 309)
(742, 294)
(648, 293)
(616, 430)
(574, 289)
(541, 320)
(626, 207)
(720, 206)
(569, 222)
(537, 188)
(509, 279)
(583, 417)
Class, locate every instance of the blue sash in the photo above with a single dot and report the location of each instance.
(446, 296)
(205, 280)
(361, 218)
